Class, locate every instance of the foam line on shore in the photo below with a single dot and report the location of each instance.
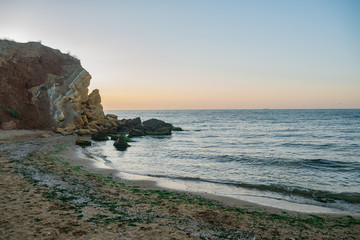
(234, 196)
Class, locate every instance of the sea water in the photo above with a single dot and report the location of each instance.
(305, 160)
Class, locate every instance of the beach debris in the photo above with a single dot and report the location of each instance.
(82, 143)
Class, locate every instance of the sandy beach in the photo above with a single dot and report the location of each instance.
(49, 190)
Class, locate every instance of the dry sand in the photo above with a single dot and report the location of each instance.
(44, 194)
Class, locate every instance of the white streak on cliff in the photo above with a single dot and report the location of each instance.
(51, 94)
(76, 78)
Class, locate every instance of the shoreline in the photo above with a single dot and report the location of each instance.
(98, 203)
(250, 201)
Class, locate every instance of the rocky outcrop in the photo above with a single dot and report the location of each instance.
(42, 88)
(157, 127)
(136, 128)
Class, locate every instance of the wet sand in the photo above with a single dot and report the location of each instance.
(46, 195)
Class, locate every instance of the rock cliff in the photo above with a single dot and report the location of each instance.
(42, 88)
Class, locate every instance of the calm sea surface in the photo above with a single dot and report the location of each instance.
(292, 156)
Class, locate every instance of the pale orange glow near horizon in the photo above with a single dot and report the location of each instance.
(233, 99)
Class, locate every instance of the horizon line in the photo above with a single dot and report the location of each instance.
(204, 109)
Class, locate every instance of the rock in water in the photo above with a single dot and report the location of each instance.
(157, 127)
(179, 129)
(136, 133)
(121, 143)
(114, 137)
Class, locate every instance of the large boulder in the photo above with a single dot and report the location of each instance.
(136, 128)
(94, 98)
(133, 123)
(94, 110)
(157, 127)
(125, 125)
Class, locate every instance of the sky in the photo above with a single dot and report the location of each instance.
(203, 54)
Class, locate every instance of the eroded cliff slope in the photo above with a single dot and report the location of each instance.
(42, 88)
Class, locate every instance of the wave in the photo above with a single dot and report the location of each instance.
(317, 195)
(312, 145)
(337, 165)
(273, 161)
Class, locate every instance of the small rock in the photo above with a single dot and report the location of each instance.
(8, 125)
(108, 124)
(65, 133)
(87, 114)
(176, 129)
(83, 132)
(121, 143)
(82, 143)
(114, 137)
(79, 121)
(111, 116)
(85, 120)
(61, 117)
(46, 135)
(93, 130)
(114, 123)
(70, 127)
(60, 130)
(94, 126)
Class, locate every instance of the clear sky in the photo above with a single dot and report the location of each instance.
(203, 54)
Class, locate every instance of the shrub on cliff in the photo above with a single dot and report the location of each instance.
(13, 112)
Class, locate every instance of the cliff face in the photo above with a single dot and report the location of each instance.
(42, 88)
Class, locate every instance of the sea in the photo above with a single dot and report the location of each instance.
(300, 160)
